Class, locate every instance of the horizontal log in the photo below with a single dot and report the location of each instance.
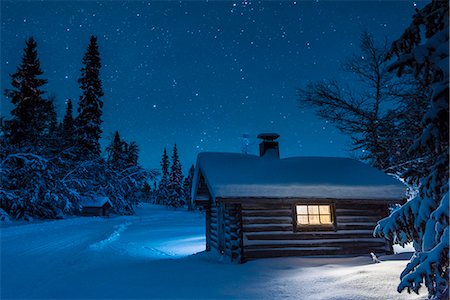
(309, 235)
(346, 219)
(336, 251)
(269, 220)
(266, 228)
(343, 249)
(230, 233)
(213, 233)
(267, 213)
(356, 227)
(378, 202)
(214, 244)
(233, 239)
(229, 222)
(357, 223)
(360, 212)
(266, 253)
(233, 225)
(214, 238)
(362, 205)
(265, 206)
(367, 245)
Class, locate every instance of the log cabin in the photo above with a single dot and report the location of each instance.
(95, 206)
(263, 206)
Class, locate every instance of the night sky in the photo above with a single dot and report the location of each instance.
(200, 73)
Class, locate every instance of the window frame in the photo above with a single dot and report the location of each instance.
(315, 227)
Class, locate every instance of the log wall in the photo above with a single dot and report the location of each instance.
(224, 230)
(270, 230)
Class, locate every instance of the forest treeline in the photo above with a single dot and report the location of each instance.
(48, 168)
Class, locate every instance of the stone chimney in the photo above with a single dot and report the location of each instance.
(269, 145)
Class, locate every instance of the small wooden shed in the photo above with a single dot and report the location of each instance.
(264, 206)
(95, 206)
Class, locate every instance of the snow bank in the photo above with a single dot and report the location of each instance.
(231, 175)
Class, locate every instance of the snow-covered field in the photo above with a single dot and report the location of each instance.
(153, 255)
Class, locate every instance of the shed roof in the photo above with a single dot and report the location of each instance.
(95, 201)
(234, 175)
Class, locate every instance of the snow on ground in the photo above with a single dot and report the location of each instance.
(153, 255)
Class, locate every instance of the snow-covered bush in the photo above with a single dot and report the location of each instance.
(4, 217)
(30, 187)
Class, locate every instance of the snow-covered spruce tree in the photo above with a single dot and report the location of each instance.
(29, 166)
(424, 219)
(26, 129)
(175, 187)
(187, 187)
(90, 106)
(162, 193)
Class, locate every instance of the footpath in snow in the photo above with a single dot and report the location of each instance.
(158, 253)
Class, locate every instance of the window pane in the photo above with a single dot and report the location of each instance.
(313, 209)
(325, 219)
(324, 209)
(314, 220)
(315, 215)
(302, 220)
(302, 210)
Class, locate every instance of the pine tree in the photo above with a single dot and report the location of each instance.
(187, 188)
(131, 154)
(163, 193)
(424, 219)
(176, 194)
(68, 125)
(50, 140)
(116, 152)
(27, 126)
(90, 106)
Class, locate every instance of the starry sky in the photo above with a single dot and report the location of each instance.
(200, 74)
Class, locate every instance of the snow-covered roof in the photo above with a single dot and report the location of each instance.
(95, 201)
(233, 175)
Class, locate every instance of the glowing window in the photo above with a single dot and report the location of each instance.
(314, 215)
